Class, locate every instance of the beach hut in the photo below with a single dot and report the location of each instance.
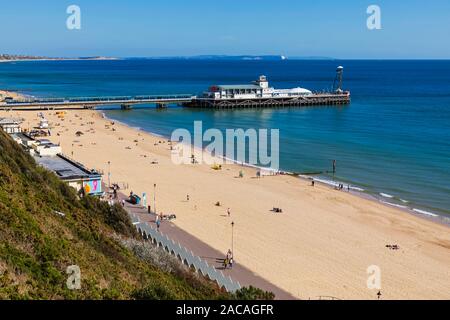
(11, 125)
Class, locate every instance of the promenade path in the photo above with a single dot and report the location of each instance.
(199, 248)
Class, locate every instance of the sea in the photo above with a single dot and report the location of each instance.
(391, 143)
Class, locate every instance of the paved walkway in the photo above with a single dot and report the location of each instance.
(239, 273)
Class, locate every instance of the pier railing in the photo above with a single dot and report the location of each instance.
(186, 256)
(98, 101)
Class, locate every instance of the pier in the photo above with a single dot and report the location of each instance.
(190, 101)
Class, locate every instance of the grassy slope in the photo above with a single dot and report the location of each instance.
(37, 245)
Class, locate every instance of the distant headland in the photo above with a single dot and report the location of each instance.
(18, 57)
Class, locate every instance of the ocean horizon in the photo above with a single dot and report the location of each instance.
(391, 142)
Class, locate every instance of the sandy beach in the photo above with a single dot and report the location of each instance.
(14, 95)
(320, 245)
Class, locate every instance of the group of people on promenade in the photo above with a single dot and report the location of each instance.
(228, 261)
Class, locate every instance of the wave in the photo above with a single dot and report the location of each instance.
(386, 195)
(327, 182)
(246, 164)
(337, 183)
(394, 204)
(425, 212)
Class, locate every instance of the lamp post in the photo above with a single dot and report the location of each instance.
(232, 239)
(154, 197)
(109, 174)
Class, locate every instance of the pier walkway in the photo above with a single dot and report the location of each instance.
(126, 102)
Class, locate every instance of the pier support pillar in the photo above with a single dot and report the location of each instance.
(161, 105)
(125, 106)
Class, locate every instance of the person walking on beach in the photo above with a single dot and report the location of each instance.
(123, 203)
(228, 212)
(187, 197)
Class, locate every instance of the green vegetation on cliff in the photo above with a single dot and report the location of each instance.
(45, 227)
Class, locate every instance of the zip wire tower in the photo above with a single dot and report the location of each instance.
(337, 84)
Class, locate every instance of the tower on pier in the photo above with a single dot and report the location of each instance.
(337, 85)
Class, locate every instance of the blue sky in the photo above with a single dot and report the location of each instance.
(410, 29)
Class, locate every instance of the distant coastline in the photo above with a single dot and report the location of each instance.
(12, 58)
(233, 58)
